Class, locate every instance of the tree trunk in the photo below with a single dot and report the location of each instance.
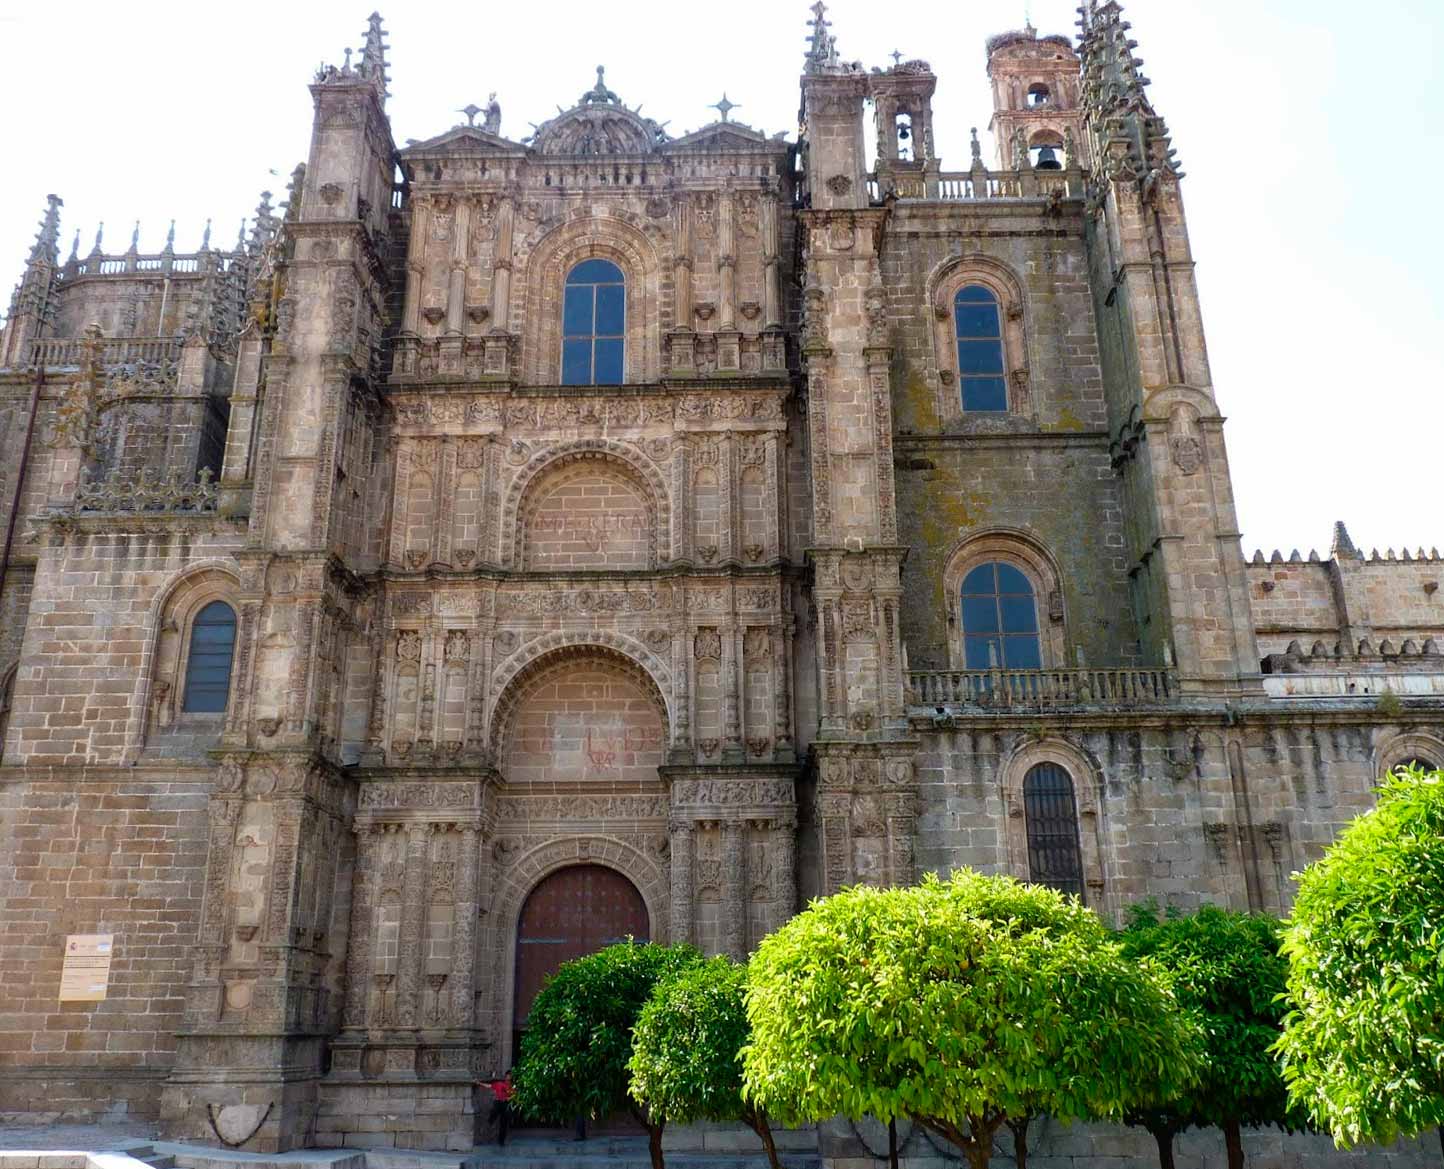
(1233, 1142)
(1164, 1137)
(654, 1145)
(892, 1143)
(1020, 1142)
(757, 1122)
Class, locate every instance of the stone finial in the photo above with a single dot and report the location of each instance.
(977, 148)
(599, 94)
(75, 249)
(822, 47)
(1343, 546)
(135, 238)
(373, 55)
(206, 237)
(293, 191)
(47, 239)
(99, 233)
(170, 239)
(724, 107)
(471, 109)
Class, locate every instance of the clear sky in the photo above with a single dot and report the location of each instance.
(1309, 131)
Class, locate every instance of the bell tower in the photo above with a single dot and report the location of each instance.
(1036, 100)
(902, 100)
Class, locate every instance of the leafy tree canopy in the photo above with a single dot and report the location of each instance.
(686, 1058)
(687, 1051)
(957, 1003)
(579, 1032)
(1363, 1045)
(1226, 969)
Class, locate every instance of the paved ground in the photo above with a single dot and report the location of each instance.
(84, 1137)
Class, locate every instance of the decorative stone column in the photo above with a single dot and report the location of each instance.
(468, 895)
(363, 920)
(731, 682)
(784, 872)
(413, 916)
(683, 835)
(734, 889)
(501, 268)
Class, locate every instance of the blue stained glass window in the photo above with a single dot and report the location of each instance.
(594, 323)
(208, 667)
(1000, 620)
(981, 369)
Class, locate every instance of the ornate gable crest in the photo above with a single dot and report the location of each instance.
(598, 124)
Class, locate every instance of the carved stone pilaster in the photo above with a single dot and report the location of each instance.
(683, 835)
(784, 872)
(413, 918)
(734, 889)
(363, 919)
(732, 751)
(468, 895)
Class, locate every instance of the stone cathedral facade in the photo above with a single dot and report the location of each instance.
(510, 545)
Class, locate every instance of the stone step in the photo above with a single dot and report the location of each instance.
(617, 1153)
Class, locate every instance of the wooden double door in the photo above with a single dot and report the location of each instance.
(571, 913)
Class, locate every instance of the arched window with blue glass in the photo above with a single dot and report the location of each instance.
(594, 324)
(1000, 619)
(208, 665)
(981, 375)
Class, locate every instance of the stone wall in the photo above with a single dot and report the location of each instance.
(84, 851)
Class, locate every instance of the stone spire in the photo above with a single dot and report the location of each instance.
(373, 56)
(265, 225)
(822, 47)
(99, 233)
(1133, 140)
(75, 249)
(47, 240)
(1343, 545)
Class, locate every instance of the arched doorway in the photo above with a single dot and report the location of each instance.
(571, 913)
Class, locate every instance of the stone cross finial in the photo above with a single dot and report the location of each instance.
(896, 58)
(470, 111)
(724, 107)
(600, 92)
(819, 52)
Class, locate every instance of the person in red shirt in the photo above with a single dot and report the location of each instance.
(501, 1105)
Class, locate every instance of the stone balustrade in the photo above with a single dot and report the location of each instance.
(966, 186)
(1040, 690)
(53, 352)
(148, 491)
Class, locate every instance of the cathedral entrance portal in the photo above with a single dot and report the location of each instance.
(571, 913)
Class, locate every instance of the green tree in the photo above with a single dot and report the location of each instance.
(959, 1004)
(1363, 1042)
(686, 1056)
(1226, 969)
(579, 1035)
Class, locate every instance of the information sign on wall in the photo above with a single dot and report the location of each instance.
(86, 973)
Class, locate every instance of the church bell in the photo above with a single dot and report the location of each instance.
(1047, 159)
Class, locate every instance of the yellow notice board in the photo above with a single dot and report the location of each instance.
(86, 973)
